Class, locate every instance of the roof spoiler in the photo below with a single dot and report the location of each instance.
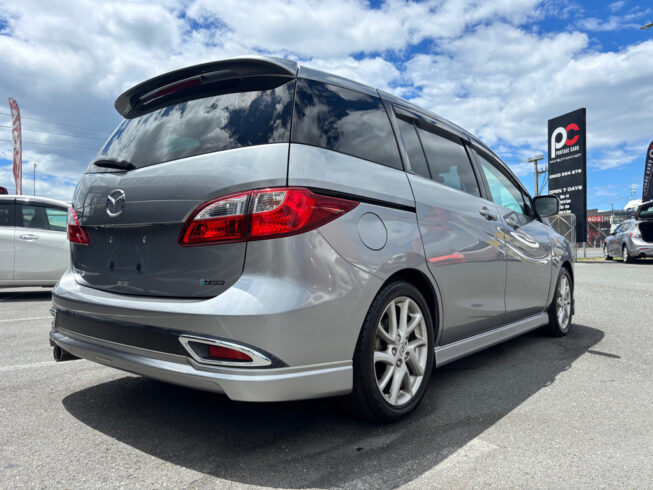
(131, 103)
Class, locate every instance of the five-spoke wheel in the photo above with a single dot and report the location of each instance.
(400, 350)
(394, 354)
(561, 308)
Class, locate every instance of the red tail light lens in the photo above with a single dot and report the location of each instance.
(219, 220)
(262, 214)
(226, 354)
(76, 233)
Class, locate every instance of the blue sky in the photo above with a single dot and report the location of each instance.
(500, 69)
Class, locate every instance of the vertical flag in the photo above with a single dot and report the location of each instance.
(18, 145)
(647, 188)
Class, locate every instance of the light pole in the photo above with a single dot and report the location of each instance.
(650, 24)
(35, 179)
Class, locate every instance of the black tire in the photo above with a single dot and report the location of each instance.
(555, 328)
(625, 255)
(366, 399)
(606, 255)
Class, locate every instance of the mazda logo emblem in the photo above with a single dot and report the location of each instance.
(115, 202)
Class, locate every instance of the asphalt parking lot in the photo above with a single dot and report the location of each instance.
(575, 412)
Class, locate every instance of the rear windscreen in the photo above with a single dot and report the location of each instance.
(646, 212)
(205, 125)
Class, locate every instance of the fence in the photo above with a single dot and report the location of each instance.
(596, 233)
(565, 224)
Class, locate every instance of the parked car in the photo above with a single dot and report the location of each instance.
(273, 232)
(633, 239)
(34, 250)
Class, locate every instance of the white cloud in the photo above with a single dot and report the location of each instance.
(617, 5)
(484, 65)
(504, 84)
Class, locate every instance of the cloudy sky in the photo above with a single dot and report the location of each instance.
(499, 68)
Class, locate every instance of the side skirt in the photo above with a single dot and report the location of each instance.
(445, 354)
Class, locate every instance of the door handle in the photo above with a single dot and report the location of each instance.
(28, 237)
(488, 215)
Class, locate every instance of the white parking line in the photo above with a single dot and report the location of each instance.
(25, 319)
(5, 369)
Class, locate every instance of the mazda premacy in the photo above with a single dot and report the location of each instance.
(271, 232)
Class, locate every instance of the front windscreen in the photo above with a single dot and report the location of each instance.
(204, 125)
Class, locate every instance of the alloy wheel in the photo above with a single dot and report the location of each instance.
(563, 306)
(400, 351)
(624, 253)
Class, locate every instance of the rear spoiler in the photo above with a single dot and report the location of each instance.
(141, 99)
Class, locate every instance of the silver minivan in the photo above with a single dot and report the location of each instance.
(273, 232)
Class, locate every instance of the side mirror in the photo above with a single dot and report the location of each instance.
(546, 205)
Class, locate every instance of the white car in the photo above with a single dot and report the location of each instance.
(34, 249)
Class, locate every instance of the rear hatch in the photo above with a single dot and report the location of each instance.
(205, 132)
(644, 216)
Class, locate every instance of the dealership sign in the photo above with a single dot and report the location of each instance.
(647, 188)
(568, 165)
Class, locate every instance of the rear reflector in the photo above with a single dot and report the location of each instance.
(261, 214)
(76, 233)
(224, 353)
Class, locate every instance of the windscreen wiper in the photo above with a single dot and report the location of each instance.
(113, 163)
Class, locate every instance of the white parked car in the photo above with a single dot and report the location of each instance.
(34, 249)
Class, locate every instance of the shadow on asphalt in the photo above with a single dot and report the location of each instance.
(24, 296)
(314, 443)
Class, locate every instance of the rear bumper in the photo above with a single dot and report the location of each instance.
(639, 248)
(298, 303)
(252, 385)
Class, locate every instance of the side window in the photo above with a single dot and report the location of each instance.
(57, 218)
(408, 135)
(343, 120)
(33, 217)
(619, 229)
(448, 161)
(6, 218)
(502, 190)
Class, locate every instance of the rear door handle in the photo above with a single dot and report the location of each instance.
(488, 215)
(29, 237)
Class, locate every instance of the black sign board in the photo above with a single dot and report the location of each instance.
(647, 188)
(568, 165)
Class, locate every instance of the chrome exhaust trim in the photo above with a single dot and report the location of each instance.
(258, 359)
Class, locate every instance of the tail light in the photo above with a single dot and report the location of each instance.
(76, 233)
(636, 233)
(261, 214)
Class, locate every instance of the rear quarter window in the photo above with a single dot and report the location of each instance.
(343, 120)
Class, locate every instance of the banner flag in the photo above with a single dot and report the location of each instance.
(18, 145)
(647, 188)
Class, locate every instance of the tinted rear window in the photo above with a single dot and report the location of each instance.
(413, 148)
(205, 125)
(448, 161)
(345, 121)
